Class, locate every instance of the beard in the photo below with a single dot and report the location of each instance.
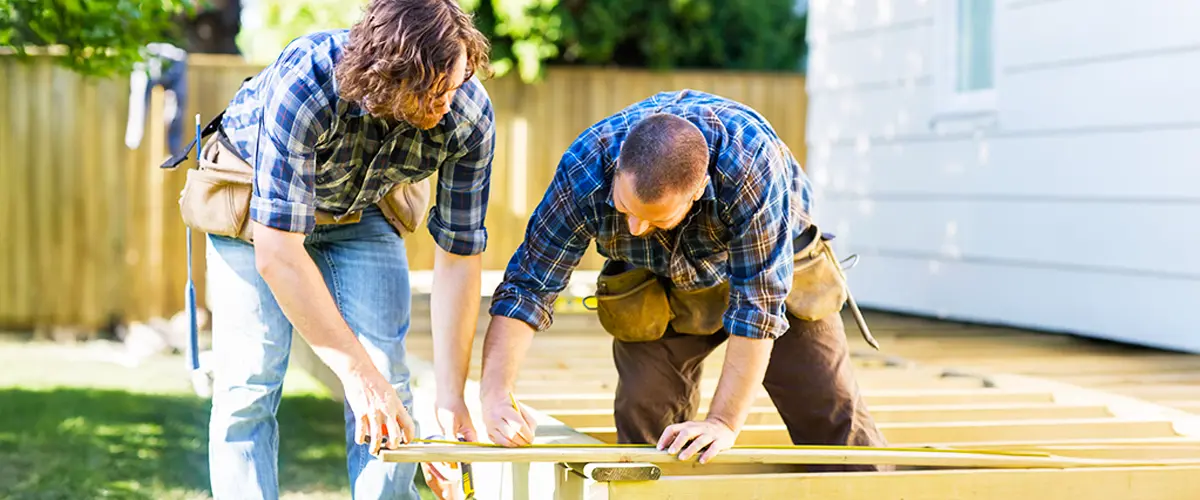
(408, 112)
(423, 121)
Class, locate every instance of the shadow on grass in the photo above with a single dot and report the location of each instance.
(79, 443)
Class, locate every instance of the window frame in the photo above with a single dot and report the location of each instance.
(949, 100)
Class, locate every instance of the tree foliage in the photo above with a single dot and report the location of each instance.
(99, 37)
(669, 34)
(272, 24)
(765, 35)
(105, 36)
(526, 35)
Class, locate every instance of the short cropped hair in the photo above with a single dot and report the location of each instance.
(400, 54)
(665, 154)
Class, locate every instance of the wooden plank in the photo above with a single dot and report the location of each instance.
(67, 156)
(1163, 451)
(110, 246)
(568, 484)
(1038, 444)
(43, 196)
(494, 481)
(1159, 483)
(709, 384)
(551, 402)
(584, 454)
(905, 433)
(768, 415)
(9, 198)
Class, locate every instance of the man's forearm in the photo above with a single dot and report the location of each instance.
(745, 365)
(300, 291)
(504, 349)
(454, 314)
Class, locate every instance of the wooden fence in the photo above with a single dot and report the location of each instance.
(91, 230)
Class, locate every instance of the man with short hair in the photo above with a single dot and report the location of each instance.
(703, 216)
(342, 119)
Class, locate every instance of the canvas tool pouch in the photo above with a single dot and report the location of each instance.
(699, 312)
(404, 206)
(216, 195)
(631, 303)
(818, 288)
(216, 198)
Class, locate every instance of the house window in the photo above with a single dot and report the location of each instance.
(966, 49)
(974, 45)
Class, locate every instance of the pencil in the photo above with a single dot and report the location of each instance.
(516, 407)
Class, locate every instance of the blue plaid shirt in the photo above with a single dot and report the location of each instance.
(743, 229)
(313, 150)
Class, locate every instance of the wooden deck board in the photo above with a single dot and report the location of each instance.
(1159, 483)
(1012, 390)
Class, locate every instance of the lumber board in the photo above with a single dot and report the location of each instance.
(1039, 444)
(538, 380)
(943, 432)
(590, 454)
(522, 481)
(1009, 390)
(576, 400)
(769, 415)
(708, 385)
(1158, 483)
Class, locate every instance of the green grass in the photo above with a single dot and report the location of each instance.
(73, 425)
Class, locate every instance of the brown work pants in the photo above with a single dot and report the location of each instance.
(809, 379)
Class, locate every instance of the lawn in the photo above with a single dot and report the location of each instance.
(74, 424)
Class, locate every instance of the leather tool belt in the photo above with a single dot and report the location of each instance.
(216, 195)
(635, 305)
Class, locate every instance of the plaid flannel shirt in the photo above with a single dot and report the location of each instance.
(743, 229)
(313, 150)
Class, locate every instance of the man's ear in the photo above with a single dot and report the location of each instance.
(700, 192)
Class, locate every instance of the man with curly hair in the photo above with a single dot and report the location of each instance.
(341, 119)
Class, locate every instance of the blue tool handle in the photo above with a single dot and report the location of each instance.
(190, 294)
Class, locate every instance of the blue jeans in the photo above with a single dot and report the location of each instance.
(366, 271)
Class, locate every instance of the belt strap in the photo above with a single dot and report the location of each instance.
(214, 125)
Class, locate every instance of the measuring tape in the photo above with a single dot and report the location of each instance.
(816, 454)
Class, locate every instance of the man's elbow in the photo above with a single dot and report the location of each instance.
(273, 250)
(444, 258)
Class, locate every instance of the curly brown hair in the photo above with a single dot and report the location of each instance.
(400, 54)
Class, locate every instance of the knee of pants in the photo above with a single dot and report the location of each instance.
(638, 396)
(245, 403)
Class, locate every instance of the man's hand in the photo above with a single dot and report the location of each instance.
(454, 419)
(505, 425)
(688, 438)
(377, 408)
(294, 279)
(445, 478)
(745, 364)
(504, 346)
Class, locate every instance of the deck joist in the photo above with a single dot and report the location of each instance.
(935, 384)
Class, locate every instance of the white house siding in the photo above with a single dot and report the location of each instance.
(1074, 207)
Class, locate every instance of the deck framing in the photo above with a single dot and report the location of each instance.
(974, 389)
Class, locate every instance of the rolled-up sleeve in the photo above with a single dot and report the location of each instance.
(556, 238)
(457, 219)
(760, 253)
(293, 117)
